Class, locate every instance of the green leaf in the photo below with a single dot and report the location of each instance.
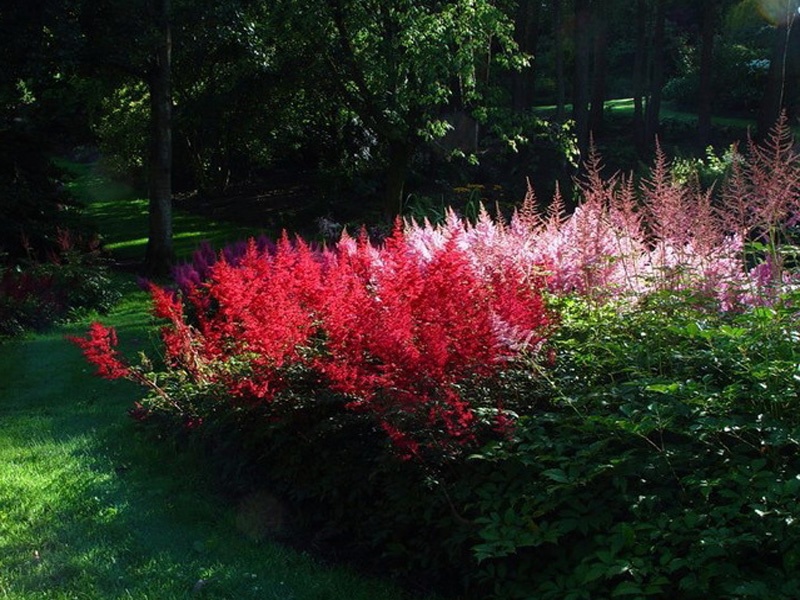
(627, 588)
(557, 475)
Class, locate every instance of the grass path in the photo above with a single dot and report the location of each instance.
(122, 217)
(92, 509)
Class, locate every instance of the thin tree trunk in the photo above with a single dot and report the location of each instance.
(527, 37)
(160, 254)
(793, 71)
(653, 108)
(558, 28)
(396, 172)
(639, 65)
(706, 73)
(580, 95)
(778, 91)
(600, 67)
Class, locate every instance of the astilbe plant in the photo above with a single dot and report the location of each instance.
(762, 201)
(397, 334)
(403, 333)
(628, 241)
(402, 330)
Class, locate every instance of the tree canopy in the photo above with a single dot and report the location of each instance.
(200, 95)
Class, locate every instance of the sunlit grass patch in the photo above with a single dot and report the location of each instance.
(120, 213)
(625, 107)
(91, 507)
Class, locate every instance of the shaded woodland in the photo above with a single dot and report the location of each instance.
(285, 111)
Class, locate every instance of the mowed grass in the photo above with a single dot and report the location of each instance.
(623, 107)
(121, 214)
(92, 508)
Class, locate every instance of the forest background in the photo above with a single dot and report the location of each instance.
(282, 112)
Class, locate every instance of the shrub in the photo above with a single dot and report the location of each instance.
(664, 463)
(34, 295)
(396, 334)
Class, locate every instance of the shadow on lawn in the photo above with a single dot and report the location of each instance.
(95, 509)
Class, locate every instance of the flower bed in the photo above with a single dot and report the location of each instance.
(594, 405)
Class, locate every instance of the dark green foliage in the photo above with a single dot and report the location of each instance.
(664, 466)
(739, 79)
(31, 204)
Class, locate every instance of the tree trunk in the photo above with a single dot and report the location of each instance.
(792, 101)
(639, 65)
(580, 95)
(653, 108)
(526, 33)
(558, 17)
(160, 254)
(396, 171)
(780, 86)
(600, 29)
(706, 74)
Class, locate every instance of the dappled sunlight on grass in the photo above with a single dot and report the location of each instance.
(625, 107)
(89, 508)
(120, 214)
(92, 508)
(102, 515)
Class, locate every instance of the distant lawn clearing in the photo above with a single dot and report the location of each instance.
(122, 214)
(624, 107)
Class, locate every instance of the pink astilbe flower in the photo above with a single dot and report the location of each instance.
(762, 195)
(773, 173)
(668, 214)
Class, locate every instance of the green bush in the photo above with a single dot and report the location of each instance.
(664, 464)
(35, 295)
(739, 76)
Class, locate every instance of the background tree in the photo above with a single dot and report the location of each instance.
(708, 22)
(34, 102)
(160, 254)
(526, 33)
(600, 15)
(399, 66)
(656, 80)
(782, 90)
(558, 25)
(582, 78)
(345, 92)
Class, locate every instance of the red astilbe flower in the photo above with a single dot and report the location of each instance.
(182, 342)
(263, 313)
(99, 348)
(521, 318)
(265, 302)
(402, 333)
(403, 330)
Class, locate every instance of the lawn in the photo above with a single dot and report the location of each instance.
(121, 215)
(90, 507)
(623, 107)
